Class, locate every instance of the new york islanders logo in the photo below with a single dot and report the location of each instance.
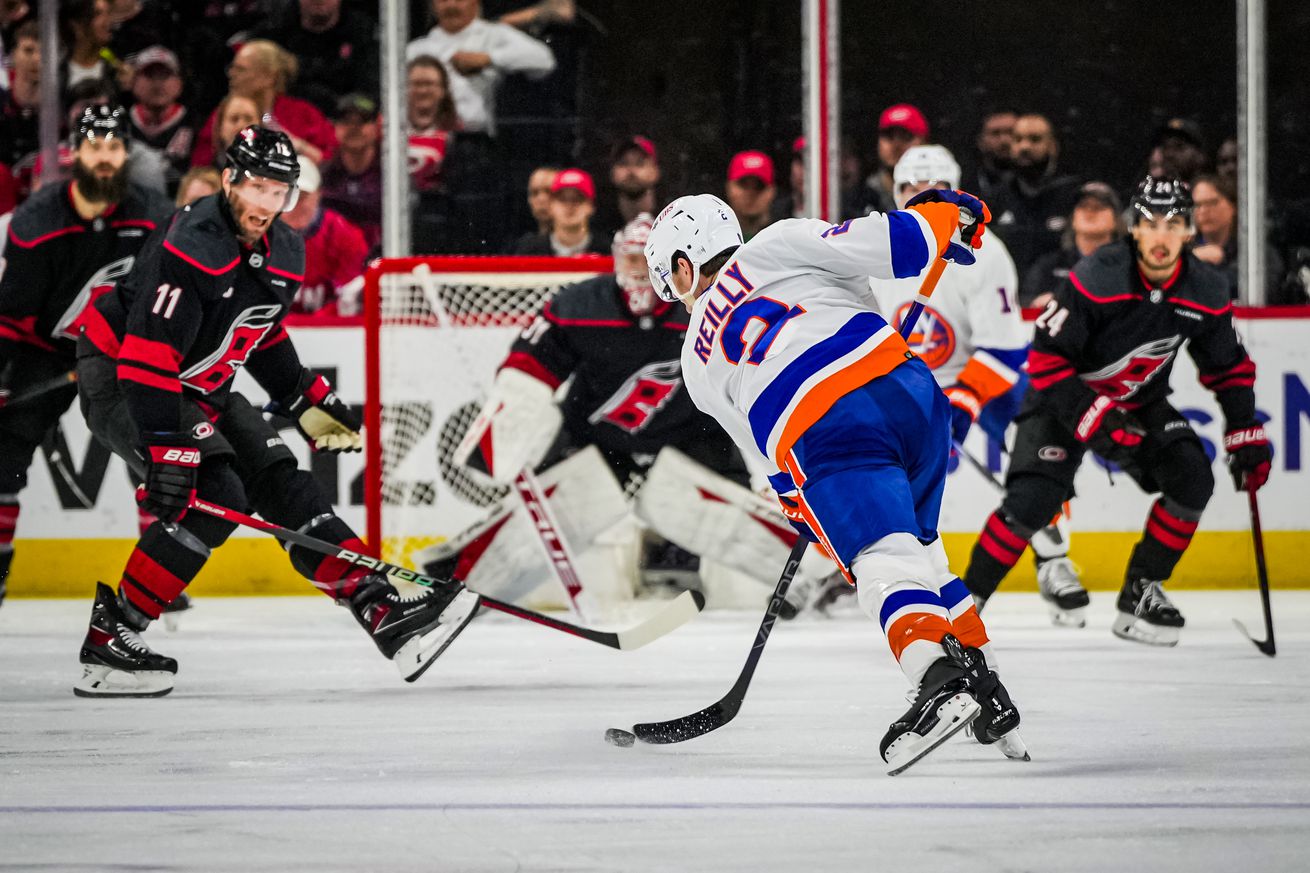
(933, 337)
(1126, 376)
(641, 395)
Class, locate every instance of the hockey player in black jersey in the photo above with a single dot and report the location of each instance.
(1099, 365)
(624, 426)
(67, 244)
(155, 365)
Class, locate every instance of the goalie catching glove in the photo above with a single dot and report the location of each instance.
(172, 461)
(327, 424)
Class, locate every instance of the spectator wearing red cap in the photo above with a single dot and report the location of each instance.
(1031, 211)
(572, 205)
(750, 191)
(158, 119)
(634, 173)
(900, 128)
(335, 251)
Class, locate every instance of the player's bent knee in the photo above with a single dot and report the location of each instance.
(287, 495)
(1193, 486)
(1031, 502)
(893, 560)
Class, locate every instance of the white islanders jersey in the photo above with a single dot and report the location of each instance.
(973, 308)
(787, 327)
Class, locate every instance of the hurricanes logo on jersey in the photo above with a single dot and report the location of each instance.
(641, 395)
(1125, 377)
(242, 338)
(933, 338)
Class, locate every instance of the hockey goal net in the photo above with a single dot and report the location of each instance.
(436, 331)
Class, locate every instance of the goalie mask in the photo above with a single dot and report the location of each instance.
(630, 266)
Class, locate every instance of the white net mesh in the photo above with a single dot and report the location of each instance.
(443, 327)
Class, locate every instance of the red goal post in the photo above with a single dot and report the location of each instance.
(436, 330)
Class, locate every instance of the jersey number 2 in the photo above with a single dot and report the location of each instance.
(771, 313)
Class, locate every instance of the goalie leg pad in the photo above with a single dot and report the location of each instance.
(501, 556)
(708, 515)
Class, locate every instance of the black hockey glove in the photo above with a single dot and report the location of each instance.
(1249, 456)
(1108, 429)
(327, 424)
(173, 460)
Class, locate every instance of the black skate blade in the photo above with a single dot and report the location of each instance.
(1266, 646)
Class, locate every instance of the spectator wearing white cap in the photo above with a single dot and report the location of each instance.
(750, 191)
(572, 205)
(335, 252)
(158, 119)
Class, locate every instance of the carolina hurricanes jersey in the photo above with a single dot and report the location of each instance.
(626, 395)
(972, 331)
(787, 328)
(56, 263)
(196, 307)
(1110, 332)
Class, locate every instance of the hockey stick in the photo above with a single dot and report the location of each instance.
(726, 708)
(979, 466)
(40, 389)
(553, 544)
(678, 611)
(1262, 576)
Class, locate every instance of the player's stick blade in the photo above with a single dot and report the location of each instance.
(1266, 646)
(678, 612)
(688, 727)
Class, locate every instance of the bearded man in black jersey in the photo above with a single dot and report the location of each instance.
(156, 359)
(67, 245)
(1099, 368)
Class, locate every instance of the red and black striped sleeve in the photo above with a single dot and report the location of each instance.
(1061, 332)
(1226, 369)
(161, 327)
(544, 350)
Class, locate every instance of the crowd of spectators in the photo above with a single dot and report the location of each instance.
(193, 74)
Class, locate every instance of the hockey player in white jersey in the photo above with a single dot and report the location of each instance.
(973, 338)
(784, 350)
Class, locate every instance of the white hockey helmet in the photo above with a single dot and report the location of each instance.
(925, 163)
(699, 226)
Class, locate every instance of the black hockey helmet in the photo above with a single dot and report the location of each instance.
(1160, 197)
(260, 151)
(101, 121)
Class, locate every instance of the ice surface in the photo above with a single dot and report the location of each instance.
(290, 744)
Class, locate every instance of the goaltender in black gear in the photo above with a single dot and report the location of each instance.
(1099, 367)
(156, 359)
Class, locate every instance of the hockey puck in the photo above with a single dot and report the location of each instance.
(620, 737)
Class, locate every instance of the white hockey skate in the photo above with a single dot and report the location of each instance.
(1063, 591)
(1146, 615)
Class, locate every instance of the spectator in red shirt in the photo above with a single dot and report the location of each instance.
(234, 114)
(335, 252)
(431, 114)
(352, 180)
(263, 71)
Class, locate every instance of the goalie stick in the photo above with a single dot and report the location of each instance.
(679, 610)
(717, 714)
(556, 548)
(1262, 576)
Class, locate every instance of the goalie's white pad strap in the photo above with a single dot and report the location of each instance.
(502, 555)
(708, 515)
(514, 430)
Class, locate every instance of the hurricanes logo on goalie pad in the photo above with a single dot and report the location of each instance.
(641, 395)
(1122, 379)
